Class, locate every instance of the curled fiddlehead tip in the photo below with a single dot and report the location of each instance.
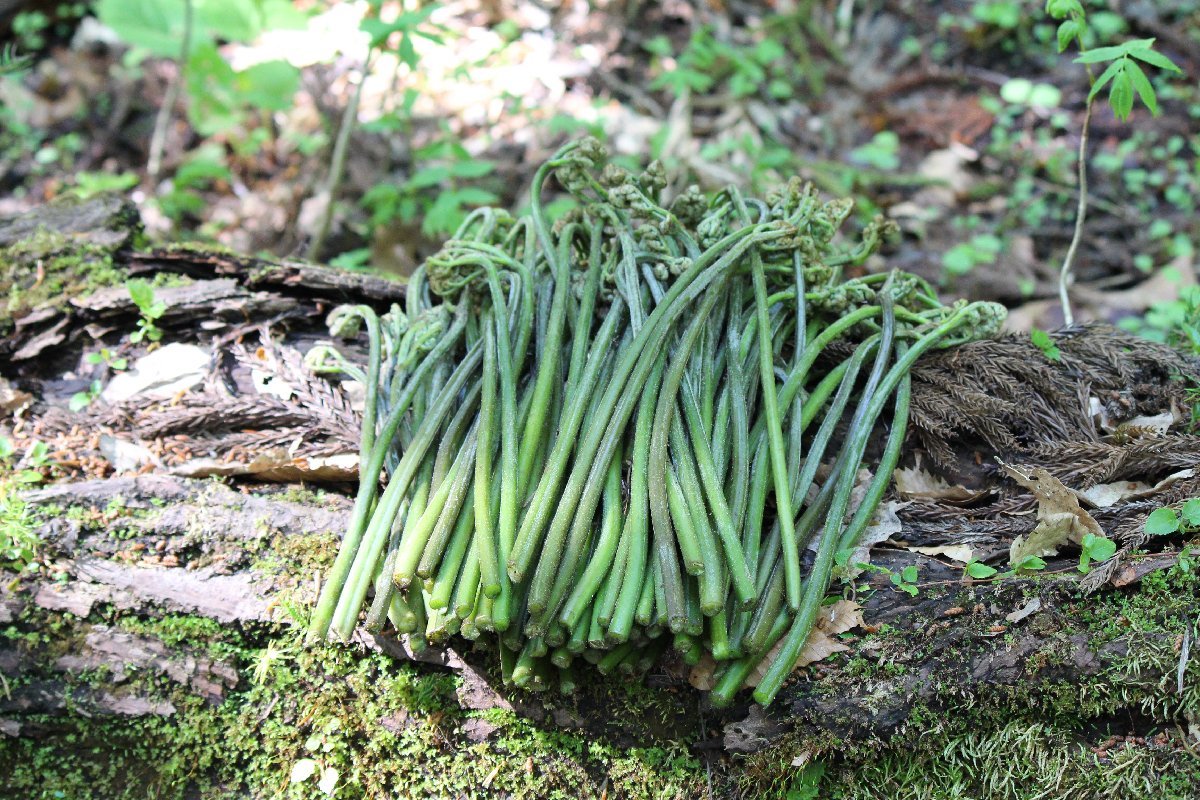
(842, 297)
(689, 207)
(986, 318)
(903, 288)
(345, 322)
(654, 179)
(324, 359)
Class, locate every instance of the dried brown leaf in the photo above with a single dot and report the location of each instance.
(1106, 495)
(916, 482)
(1060, 517)
(837, 618)
(954, 552)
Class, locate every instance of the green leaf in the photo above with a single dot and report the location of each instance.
(1044, 342)
(988, 244)
(38, 452)
(152, 25)
(1058, 9)
(768, 51)
(1142, 84)
(959, 260)
(1120, 97)
(1104, 78)
(270, 85)
(1098, 547)
(1031, 564)
(1191, 512)
(472, 169)
(428, 176)
(1098, 54)
(79, 401)
(329, 779)
(7, 448)
(1138, 45)
(909, 574)
(352, 259)
(658, 46)
(29, 476)
(1156, 59)
(140, 292)
(406, 23)
(1016, 91)
(231, 20)
(1044, 95)
(407, 51)
(213, 105)
(678, 81)
(1162, 521)
(979, 570)
(444, 215)
(1067, 33)
(200, 172)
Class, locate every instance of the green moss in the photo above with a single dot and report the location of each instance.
(1036, 738)
(183, 630)
(49, 268)
(390, 730)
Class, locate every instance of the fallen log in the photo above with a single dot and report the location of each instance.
(153, 651)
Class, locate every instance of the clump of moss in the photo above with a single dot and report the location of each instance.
(389, 729)
(1041, 738)
(50, 268)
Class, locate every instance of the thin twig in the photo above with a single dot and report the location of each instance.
(1064, 275)
(158, 140)
(337, 165)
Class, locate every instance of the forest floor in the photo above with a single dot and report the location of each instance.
(958, 119)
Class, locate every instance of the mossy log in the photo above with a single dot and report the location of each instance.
(154, 652)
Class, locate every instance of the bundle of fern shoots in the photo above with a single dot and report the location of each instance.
(638, 428)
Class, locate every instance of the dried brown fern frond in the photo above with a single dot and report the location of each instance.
(1005, 397)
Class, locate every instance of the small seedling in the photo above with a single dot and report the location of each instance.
(1166, 520)
(1095, 548)
(1186, 561)
(882, 152)
(18, 542)
(1044, 342)
(108, 358)
(1030, 564)
(906, 579)
(142, 295)
(980, 571)
(81, 400)
(36, 458)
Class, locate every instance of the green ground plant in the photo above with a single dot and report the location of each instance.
(1124, 77)
(151, 310)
